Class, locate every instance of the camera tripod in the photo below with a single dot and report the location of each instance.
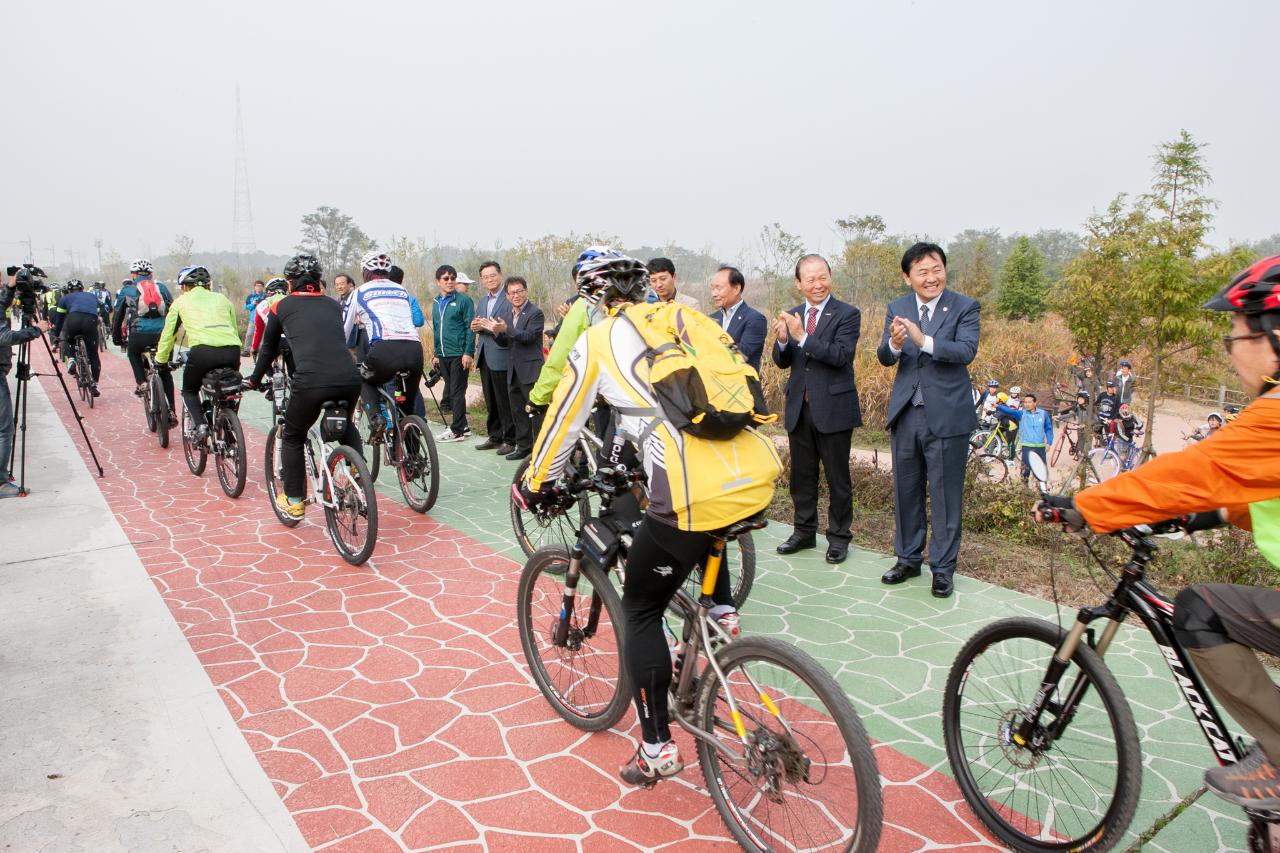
(23, 375)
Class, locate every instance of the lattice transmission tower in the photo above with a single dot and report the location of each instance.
(242, 241)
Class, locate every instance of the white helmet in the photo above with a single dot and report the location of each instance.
(376, 261)
(1015, 391)
(140, 265)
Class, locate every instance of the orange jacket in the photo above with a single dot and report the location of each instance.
(1237, 466)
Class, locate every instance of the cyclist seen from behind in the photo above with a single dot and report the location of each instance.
(1233, 476)
(209, 320)
(274, 291)
(383, 309)
(691, 492)
(141, 305)
(311, 326)
(80, 320)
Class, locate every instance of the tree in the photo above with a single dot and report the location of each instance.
(1058, 248)
(334, 238)
(181, 250)
(779, 251)
(1022, 284)
(1266, 247)
(869, 262)
(974, 275)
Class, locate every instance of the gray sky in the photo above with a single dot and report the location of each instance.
(695, 122)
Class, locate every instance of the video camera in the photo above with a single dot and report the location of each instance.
(433, 377)
(27, 285)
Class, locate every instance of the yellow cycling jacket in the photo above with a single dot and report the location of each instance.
(694, 483)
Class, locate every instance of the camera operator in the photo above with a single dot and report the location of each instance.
(21, 284)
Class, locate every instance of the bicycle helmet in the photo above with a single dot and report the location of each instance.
(196, 276)
(99, 285)
(376, 261)
(141, 265)
(993, 383)
(1255, 292)
(1002, 397)
(125, 281)
(1015, 391)
(276, 286)
(303, 267)
(1213, 415)
(75, 284)
(605, 279)
(591, 254)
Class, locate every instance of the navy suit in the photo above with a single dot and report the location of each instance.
(524, 336)
(821, 411)
(747, 328)
(929, 433)
(494, 360)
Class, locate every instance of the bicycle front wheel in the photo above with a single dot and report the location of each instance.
(419, 466)
(1103, 465)
(989, 467)
(546, 527)
(807, 778)
(351, 508)
(584, 678)
(229, 452)
(1075, 785)
(197, 453)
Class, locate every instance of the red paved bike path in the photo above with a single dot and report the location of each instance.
(389, 704)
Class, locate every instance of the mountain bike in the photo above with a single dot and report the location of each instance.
(1039, 735)
(102, 334)
(83, 370)
(155, 404)
(1068, 437)
(781, 747)
(997, 441)
(1115, 457)
(406, 444)
(342, 485)
(222, 435)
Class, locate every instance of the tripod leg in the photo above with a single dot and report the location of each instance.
(72, 403)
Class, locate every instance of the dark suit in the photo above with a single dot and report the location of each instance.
(494, 360)
(524, 337)
(747, 328)
(930, 440)
(821, 412)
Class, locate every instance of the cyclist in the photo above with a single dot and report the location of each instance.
(1035, 431)
(986, 402)
(1213, 423)
(609, 361)
(382, 307)
(209, 319)
(79, 312)
(274, 291)
(1125, 427)
(142, 322)
(322, 371)
(104, 300)
(1237, 470)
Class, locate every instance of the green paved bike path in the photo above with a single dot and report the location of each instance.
(889, 647)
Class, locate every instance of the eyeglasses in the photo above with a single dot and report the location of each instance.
(448, 278)
(1228, 341)
(515, 290)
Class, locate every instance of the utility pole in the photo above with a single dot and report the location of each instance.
(31, 258)
(97, 244)
(242, 241)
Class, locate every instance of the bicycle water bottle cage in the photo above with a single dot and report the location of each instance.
(334, 417)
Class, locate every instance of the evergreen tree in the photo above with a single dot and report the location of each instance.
(1022, 284)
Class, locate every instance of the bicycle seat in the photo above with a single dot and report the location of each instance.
(751, 522)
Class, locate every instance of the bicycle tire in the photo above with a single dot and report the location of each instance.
(545, 527)
(160, 412)
(767, 775)
(149, 407)
(989, 467)
(371, 452)
(419, 468)
(274, 477)
(740, 562)
(1103, 465)
(991, 727)
(587, 701)
(230, 457)
(361, 493)
(197, 455)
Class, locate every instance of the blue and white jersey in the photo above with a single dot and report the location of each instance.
(382, 307)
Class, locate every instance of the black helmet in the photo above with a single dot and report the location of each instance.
(196, 276)
(99, 285)
(303, 267)
(75, 284)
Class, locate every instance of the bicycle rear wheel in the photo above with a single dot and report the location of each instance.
(197, 453)
(149, 406)
(372, 451)
(739, 562)
(810, 783)
(585, 678)
(545, 527)
(274, 476)
(353, 517)
(229, 452)
(419, 470)
(1075, 791)
(159, 411)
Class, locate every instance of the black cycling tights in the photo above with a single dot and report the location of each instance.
(78, 325)
(304, 408)
(660, 559)
(200, 360)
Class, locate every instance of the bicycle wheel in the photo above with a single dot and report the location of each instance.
(553, 526)
(197, 453)
(1076, 791)
(585, 679)
(419, 470)
(159, 411)
(351, 509)
(739, 562)
(1103, 465)
(989, 467)
(149, 406)
(274, 476)
(371, 451)
(229, 452)
(808, 779)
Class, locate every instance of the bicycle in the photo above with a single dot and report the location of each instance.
(155, 404)
(1069, 430)
(771, 724)
(997, 440)
(407, 445)
(220, 393)
(1112, 459)
(102, 334)
(83, 371)
(1047, 754)
(342, 486)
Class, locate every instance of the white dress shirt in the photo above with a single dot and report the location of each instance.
(927, 346)
(804, 320)
(726, 314)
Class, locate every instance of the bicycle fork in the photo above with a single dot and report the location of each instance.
(560, 634)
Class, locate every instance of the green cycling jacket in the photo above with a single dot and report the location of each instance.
(208, 318)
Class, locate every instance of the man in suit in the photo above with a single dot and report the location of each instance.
(816, 340)
(494, 360)
(744, 324)
(931, 334)
(524, 336)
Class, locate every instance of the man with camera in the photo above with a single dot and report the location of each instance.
(21, 285)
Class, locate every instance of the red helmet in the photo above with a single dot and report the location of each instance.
(1254, 291)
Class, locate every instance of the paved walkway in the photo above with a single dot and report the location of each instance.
(389, 705)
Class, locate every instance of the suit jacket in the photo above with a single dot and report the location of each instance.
(944, 376)
(495, 354)
(823, 369)
(747, 328)
(524, 337)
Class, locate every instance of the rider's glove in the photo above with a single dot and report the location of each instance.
(1062, 510)
(528, 499)
(534, 410)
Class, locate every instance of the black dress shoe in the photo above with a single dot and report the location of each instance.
(519, 453)
(488, 444)
(504, 449)
(837, 552)
(899, 573)
(943, 586)
(797, 542)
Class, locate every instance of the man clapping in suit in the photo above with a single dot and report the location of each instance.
(744, 324)
(931, 334)
(524, 336)
(817, 339)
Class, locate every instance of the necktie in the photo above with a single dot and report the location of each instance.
(917, 398)
(812, 322)
(924, 316)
